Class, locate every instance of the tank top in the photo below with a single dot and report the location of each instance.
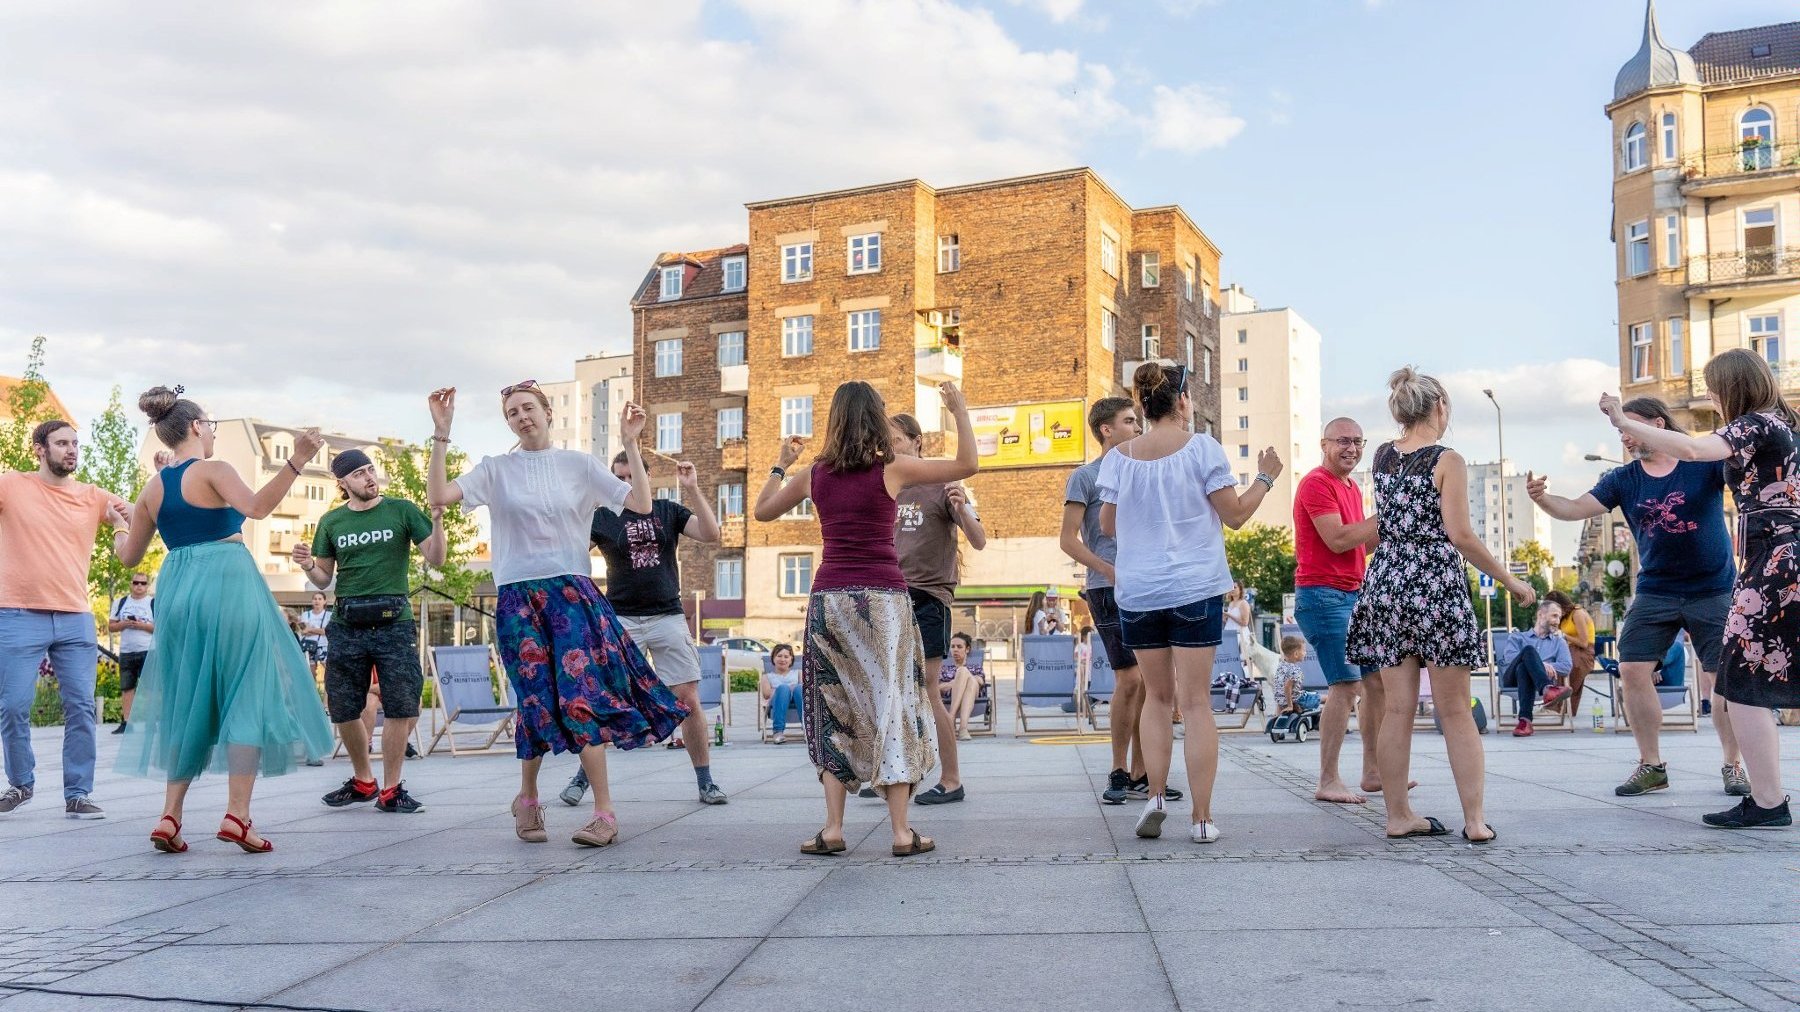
(182, 524)
(856, 517)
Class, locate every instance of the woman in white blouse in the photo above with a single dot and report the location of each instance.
(579, 682)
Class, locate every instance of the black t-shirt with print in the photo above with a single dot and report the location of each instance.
(642, 577)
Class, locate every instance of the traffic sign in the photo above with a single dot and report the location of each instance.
(1487, 586)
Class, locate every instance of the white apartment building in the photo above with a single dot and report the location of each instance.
(1519, 519)
(1269, 395)
(585, 409)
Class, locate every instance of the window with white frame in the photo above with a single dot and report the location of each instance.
(1243, 365)
(668, 357)
(1188, 347)
(1150, 269)
(1671, 240)
(1109, 329)
(1756, 138)
(1677, 346)
(1764, 330)
(797, 416)
(796, 262)
(1206, 366)
(949, 254)
(1243, 394)
(731, 424)
(1243, 421)
(1206, 298)
(669, 492)
(728, 579)
(734, 274)
(804, 511)
(731, 500)
(1187, 280)
(1243, 337)
(671, 283)
(1243, 451)
(668, 432)
(1637, 248)
(731, 347)
(1109, 253)
(865, 253)
(1631, 150)
(1151, 342)
(796, 575)
(796, 336)
(865, 330)
(1641, 368)
(1669, 147)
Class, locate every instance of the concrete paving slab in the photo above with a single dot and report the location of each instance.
(627, 905)
(1691, 889)
(880, 900)
(221, 973)
(80, 904)
(1371, 894)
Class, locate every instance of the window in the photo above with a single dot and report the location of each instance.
(668, 432)
(1206, 366)
(1243, 451)
(1187, 280)
(1632, 150)
(796, 575)
(1756, 138)
(1243, 337)
(865, 330)
(731, 424)
(1640, 352)
(280, 451)
(1243, 394)
(731, 348)
(1668, 136)
(1243, 365)
(734, 275)
(668, 357)
(796, 416)
(796, 262)
(315, 492)
(1109, 253)
(1765, 338)
(669, 492)
(728, 579)
(671, 283)
(804, 511)
(1672, 240)
(1637, 248)
(796, 336)
(949, 254)
(865, 253)
(1151, 342)
(1206, 299)
(1109, 329)
(731, 500)
(1677, 353)
(1150, 265)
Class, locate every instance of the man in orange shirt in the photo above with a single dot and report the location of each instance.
(47, 525)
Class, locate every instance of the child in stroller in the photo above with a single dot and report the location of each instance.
(1296, 709)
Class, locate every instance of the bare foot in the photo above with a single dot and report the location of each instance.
(1338, 794)
(1374, 786)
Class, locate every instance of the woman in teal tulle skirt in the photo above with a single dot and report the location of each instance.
(225, 687)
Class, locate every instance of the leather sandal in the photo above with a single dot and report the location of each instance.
(170, 841)
(919, 845)
(242, 836)
(819, 848)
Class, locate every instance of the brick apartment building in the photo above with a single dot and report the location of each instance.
(1039, 294)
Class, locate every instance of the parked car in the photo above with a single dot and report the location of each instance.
(743, 653)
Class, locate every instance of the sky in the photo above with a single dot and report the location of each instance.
(315, 212)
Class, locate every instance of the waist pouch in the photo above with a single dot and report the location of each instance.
(371, 612)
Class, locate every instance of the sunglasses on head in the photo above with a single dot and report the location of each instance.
(516, 387)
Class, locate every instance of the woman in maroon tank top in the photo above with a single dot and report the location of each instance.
(867, 699)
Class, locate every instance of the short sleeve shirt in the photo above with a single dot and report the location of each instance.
(1322, 493)
(1171, 540)
(1678, 520)
(1084, 488)
(925, 537)
(1761, 467)
(372, 547)
(643, 576)
(541, 507)
(47, 541)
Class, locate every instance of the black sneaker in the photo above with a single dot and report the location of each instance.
(1140, 790)
(1748, 816)
(350, 794)
(120, 729)
(411, 753)
(399, 801)
(1118, 788)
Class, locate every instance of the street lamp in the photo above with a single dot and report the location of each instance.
(1505, 500)
(1597, 459)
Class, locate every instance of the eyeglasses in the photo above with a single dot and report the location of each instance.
(211, 425)
(1347, 442)
(516, 387)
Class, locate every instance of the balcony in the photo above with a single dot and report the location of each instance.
(1131, 367)
(282, 542)
(734, 455)
(1757, 168)
(731, 532)
(734, 379)
(1763, 270)
(938, 363)
(1787, 374)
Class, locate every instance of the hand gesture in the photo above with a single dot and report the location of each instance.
(632, 420)
(1269, 462)
(162, 459)
(1521, 591)
(1535, 486)
(953, 397)
(790, 451)
(1609, 406)
(443, 409)
(956, 496)
(308, 443)
(119, 515)
(686, 476)
(302, 555)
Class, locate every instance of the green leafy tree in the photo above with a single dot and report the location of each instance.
(1538, 560)
(406, 466)
(27, 404)
(1261, 556)
(109, 460)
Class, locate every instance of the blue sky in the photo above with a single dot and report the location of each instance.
(315, 212)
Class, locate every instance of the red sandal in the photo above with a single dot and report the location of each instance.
(168, 843)
(242, 837)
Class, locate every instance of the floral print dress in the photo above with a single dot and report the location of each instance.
(1415, 598)
(1762, 633)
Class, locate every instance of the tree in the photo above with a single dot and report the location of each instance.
(1262, 558)
(27, 404)
(1538, 560)
(405, 466)
(109, 460)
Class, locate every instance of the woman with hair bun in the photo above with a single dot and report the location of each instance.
(225, 686)
(1414, 611)
(1166, 496)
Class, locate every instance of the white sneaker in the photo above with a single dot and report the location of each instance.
(1205, 831)
(1149, 824)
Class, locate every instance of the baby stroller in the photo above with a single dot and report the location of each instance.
(1295, 726)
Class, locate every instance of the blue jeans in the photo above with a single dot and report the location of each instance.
(779, 700)
(1324, 617)
(26, 635)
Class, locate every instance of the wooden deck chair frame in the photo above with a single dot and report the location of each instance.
(417, 738)
(1022, 719)
(444, 720)
(1689, 699)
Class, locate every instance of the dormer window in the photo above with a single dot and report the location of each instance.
(1761, 51)
(671, 283)
(733, 270)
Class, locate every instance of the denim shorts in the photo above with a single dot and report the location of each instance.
(1196, 624)
(1323, 614)
(1105, 611)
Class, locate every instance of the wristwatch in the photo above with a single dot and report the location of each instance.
(1267, 481)
(778, 472)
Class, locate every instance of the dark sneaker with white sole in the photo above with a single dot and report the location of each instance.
(396, 800)
(79, 807)
(352, 793)
(13, 798)
(1118, 788)
(1748, 815)
(1737, 784)
(1643, 780)
(1140, 790)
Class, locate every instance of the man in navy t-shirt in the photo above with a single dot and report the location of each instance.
(1676, 512)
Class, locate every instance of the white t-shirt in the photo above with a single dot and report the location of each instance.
(1171, 541)
(315, 620)
(135, 641)
(541, 508)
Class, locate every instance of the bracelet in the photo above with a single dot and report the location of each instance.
(778, 472)
(292, 468)
(1266, 480)
(440, 439)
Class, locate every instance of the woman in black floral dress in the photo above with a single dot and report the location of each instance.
(1414, 610)
(1757, 670)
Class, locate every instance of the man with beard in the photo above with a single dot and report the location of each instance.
(48, 521)
(367, 544)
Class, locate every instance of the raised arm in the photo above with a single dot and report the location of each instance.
(1235, 508)
(631, 429)
(1560, 507)
(1680, 445)
(906, 471)
(782, 491)
(1075, 548)
(702, 526)
(256, 505)
(440, 491)
(1452, 479)
(964, 511)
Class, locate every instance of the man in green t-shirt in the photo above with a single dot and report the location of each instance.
(367, 544)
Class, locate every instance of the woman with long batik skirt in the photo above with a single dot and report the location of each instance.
(1758, 672)
(225, 687)
(868, 706)
(579, 682)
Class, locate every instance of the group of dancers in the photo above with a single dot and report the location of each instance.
(1382, 599)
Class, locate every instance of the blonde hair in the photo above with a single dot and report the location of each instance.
(1413, 397)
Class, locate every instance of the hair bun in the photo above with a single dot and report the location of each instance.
(1149, 378)
(157, 402)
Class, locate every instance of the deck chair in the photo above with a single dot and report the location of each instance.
(1680, 701)
(376, 740)
(1543, 718)
(1048, 677)
(466, 703)
(1233, 664)
(1102, 683)
(765, 723)
(715, 693)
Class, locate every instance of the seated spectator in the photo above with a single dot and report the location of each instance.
(1235, 684)
(1289, 696)
(780, 688)
(1536, 660)
(960, 681)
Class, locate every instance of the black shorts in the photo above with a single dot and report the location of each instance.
(933, 617)
(1195, 624)
(1654, 619)
(131, 666)
(389, 651)
(1105, 611)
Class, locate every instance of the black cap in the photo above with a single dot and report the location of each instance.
(348, 461)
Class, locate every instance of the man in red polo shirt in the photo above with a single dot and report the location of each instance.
(1331, 537)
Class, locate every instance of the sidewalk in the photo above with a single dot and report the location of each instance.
(1038, 896)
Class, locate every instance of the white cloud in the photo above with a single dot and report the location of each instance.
(1058, 11)
(1189, 119)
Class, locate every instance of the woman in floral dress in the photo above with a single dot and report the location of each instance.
(1762, 633)
(1414, 610)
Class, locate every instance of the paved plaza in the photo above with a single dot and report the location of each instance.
(1038, 897)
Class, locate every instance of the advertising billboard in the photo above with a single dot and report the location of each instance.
(1030, 435)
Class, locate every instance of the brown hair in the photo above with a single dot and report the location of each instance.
(171, 415)
(856, 431)
(1159, 389)
(1413, 396)
(1291, 643)
(1745, 385)
(908, 425)
(1104, 411)
(40, 436)
(621, 458)
(1561, 599)
(778, 648)
(1651, 407)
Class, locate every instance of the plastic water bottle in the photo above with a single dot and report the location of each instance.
(1599, 718)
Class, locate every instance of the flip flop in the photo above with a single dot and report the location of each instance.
(1490, 839)
(819, 848)
(917, 846)
(1432, 828)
